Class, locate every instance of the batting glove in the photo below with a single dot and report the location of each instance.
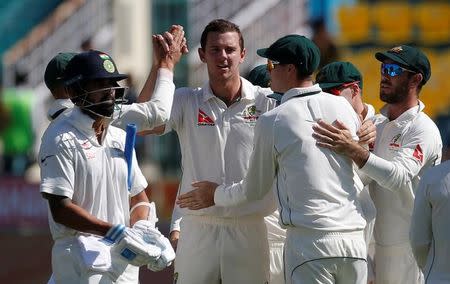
(153, 236)
(129, 243)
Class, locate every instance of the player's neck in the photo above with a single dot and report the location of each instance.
(100, 126)
(228, 91)
(397, 109)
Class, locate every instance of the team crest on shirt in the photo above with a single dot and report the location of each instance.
(395, 143)
(250, 114)
(203, 119)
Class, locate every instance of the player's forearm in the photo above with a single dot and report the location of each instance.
(149, 86)
(75, 217)
(140, 205)
(357, 153)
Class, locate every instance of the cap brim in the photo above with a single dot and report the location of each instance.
(381, 56)
(326, 86)
(262, 52)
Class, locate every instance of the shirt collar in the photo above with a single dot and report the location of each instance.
(57, 105)
(407, 115)
(294, 92)
(83, 123)
(247, 91)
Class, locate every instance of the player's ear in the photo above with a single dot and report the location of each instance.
(201, 54)
(243, 53)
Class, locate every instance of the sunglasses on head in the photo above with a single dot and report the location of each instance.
(393, 69)
(271, 64)
(337, 90)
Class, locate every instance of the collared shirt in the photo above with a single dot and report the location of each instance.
(404, 148)
(315, 186)
(216, 142)
(430, 232)
(93, 176)
(58, 106)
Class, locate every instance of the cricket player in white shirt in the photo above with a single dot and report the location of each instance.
(325, 239)
(84, 179)
(344, 79)
(408, 142)
(430, 230)
(215, 125)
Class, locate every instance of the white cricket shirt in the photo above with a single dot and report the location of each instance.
(216, 142)
(430, 229)
(404, 148)
(315, 186)
(93, 176)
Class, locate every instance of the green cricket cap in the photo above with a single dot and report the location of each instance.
(338, 73)
(408, 57)
(294, 49)
(54, 72)
(260, 76)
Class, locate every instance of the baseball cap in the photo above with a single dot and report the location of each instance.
(54, 72)
(408, 57)
(91, 64)
(294, 49)
(259, 76)
(338, 73)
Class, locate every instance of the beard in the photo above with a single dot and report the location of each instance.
(395, 94)
(105, 108)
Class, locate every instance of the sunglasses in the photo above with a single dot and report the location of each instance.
(271, 64)
(393, 70)
(337, 90)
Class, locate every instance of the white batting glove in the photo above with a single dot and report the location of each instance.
(131, 246)
(153, 236)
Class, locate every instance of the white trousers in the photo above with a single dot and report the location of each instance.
(313, 256)
(276, 262)
(215, 250)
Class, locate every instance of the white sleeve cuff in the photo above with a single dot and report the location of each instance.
(165, 73)
(175, 225)
(376, 168)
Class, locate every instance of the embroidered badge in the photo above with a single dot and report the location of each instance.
(397, 49)
(250, 114)
(394, 144)
(109, 66)
(204, 119)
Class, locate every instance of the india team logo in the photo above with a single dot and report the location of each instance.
(109, 66)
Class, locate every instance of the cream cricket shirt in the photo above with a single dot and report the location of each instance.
(216, 142)
(315, 186)
(94, 176)
(404, 148)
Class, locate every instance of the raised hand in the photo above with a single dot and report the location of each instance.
(169, 47)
